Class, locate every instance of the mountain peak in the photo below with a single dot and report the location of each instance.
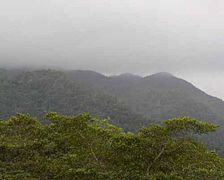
(160, 75)
(163, 74)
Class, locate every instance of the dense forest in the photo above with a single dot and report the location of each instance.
(42, 91)
(159, 96)
(84, 147)
(130, 101)
(111, 90)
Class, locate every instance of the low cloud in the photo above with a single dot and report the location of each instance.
(183, 37)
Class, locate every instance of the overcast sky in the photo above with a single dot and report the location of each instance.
(184, 37)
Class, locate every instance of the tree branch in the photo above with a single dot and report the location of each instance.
(155, 159)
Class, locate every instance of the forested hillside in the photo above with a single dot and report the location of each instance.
(42, 91)
(160, 96)
(83, 147)
(130, 101)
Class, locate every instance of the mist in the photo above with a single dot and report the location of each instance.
(185, 38)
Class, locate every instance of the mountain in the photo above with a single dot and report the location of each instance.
(131, 101)
(161, 96)
(37, 92)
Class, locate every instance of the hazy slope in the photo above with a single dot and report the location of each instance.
(40, 91)
(131, 101)
(159, 96)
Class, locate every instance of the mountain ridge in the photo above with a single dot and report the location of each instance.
(130, 101)
(156, 80)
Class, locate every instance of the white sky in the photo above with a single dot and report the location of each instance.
(184, 37)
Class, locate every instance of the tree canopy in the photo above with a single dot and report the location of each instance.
(84, 147)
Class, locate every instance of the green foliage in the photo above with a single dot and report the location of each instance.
(84, 147)
(189, 124)
(130, 101)
(183, 127)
